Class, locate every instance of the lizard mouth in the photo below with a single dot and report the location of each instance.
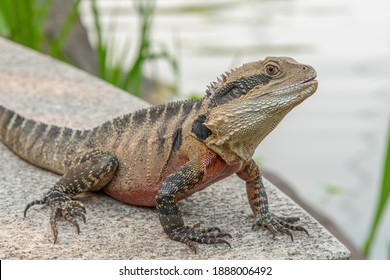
(310, 83)
(311, 76)
(309, 86)
(313, 79)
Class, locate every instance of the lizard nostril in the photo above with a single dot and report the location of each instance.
(304, 67)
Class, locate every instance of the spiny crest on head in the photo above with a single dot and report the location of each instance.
(216, 85)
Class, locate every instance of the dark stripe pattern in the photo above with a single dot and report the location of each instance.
(237, 88)
(200, 129)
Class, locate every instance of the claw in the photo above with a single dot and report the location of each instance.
(191, 245)
(210, 229)
(279, 224)
(217, 229)
(72, 209)
(74, 222)
(82, 215)
(228, 235)
(225, 242)
(60, 204)
(35, 202)
(53, 223)
(300, 228)
(190, 235)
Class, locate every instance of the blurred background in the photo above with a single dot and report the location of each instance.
(331, 153)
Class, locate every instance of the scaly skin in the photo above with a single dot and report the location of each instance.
(185, 147)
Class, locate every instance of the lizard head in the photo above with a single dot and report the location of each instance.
(247, 103)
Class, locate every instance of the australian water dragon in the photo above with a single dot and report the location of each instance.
(159, 155)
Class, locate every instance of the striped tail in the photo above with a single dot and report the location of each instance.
(47, 146)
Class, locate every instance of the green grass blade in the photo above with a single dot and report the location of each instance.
(101, 46)
(4, 28)
(131, 78)
(134, 78)
(39, 15)
(24, 21)
(165, 55)
(382, 201)
(55, 49)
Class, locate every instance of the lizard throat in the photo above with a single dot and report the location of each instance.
(235, 131)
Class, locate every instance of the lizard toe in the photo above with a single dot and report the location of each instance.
(61, 205)
(277, 224)
(35, 202)
(189, 235)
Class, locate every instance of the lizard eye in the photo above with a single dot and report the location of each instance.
(271, 70)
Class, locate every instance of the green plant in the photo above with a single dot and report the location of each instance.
(56, 44)
(382, 200)
(131, 78)
(335, 190)
(24, 23)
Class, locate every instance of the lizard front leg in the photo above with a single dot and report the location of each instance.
(88, 172)
(182, 180)
(258, 201)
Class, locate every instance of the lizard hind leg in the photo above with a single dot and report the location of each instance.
(88, 172)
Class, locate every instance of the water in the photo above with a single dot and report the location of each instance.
(337, 137)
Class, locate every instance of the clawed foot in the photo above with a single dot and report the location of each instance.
(278, 224)
(191, 234)
(61, 205)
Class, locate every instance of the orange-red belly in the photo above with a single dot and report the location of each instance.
(215, 169)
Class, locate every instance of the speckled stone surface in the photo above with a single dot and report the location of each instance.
(46, 90)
